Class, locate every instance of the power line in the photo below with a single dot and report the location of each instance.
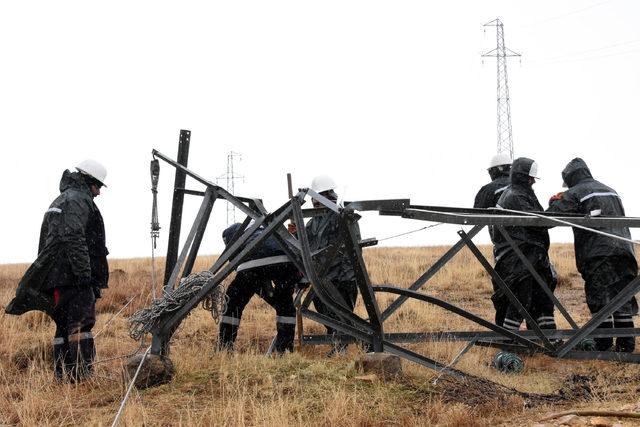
(582, 52)
(564, 15)
(590, 58)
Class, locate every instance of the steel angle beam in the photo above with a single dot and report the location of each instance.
(616, 302)
(423, 360)
(207, 206)
(190, 192)
(503, 286)
(396, 304)
(192, 244)
(384, 207)
(173, 319)
(536, 276)
(324, 290)
(238, 202)
(351, 331)
(518, 220)
(329, 204)
(460, 312)
(287, 243)
(484, 336)
(348, 227)
(177, 203)
(507, 346)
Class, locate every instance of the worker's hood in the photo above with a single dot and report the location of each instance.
(73, 180)
(575, 171)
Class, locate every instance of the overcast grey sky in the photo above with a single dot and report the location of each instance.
(390, 98)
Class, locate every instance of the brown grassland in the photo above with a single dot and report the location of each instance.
(247, 388)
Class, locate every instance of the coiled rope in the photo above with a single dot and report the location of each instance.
(144, 320)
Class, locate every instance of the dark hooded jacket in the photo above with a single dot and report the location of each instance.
(521, 197)
(587, 196)
(324, 230)
(71, 250)
(489, 194)
(270, 247)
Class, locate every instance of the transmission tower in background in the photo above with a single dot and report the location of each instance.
(230, 179)
(501, 53)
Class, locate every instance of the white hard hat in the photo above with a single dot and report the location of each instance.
(502, 159)
(93, 169)
(323, 183)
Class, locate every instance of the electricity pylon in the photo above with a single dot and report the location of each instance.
(230, 177)
(501, 52)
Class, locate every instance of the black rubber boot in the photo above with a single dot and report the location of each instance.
(604, 344)
(624, 344)
(81, 355)
(284, 338)
(87, 356)
(60, 358)
(227, 336)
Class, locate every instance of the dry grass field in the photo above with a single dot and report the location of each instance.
(305, 388)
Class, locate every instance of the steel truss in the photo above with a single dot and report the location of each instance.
(370, 330)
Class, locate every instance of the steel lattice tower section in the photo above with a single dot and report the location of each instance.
(230, 179)
(501, 53)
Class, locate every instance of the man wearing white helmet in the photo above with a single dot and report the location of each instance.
(487, 197)
(498, 169)
(534, 244)
(71, 269)
(322, 231)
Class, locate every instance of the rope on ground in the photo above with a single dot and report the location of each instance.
(126, 396)
(560, 221)
(412, 231)
(143, 321)
(115, 315)
(124, 356)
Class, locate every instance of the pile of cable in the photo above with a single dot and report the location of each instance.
(146, 319)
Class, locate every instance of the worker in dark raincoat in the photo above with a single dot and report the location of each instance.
(487, 197)
(322, 231)
(534, 244)
(267, 264)
(606, 264)
(70, 270)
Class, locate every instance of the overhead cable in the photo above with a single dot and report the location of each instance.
(560, 221)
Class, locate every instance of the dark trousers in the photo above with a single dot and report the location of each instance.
(349, 292)
(74, 314)
(604, 279)
(528, 292)
(258, 280)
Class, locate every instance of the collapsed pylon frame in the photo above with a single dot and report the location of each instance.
(349, 325)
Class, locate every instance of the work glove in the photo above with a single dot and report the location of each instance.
(556, 197)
